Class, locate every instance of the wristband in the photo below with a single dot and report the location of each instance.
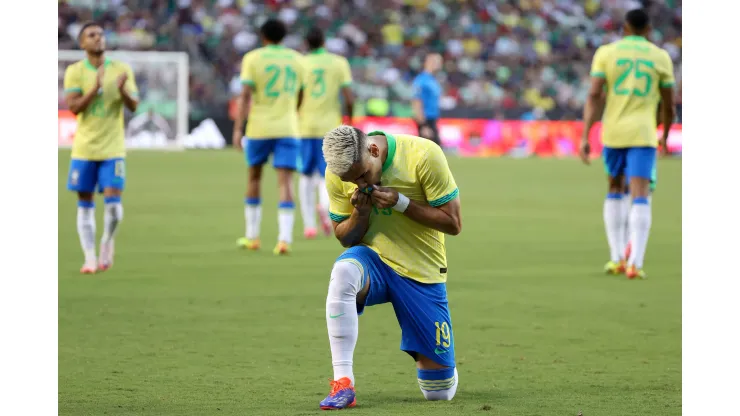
(402, 204)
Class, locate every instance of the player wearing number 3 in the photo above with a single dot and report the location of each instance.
(392, 199)
(96, 90)
(271, 76)
(636, 76)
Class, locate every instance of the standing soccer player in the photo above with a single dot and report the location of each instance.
(392, 200)
(637, 75)
(271, 77)
(96, 90)
(426, 98)
(326, 75)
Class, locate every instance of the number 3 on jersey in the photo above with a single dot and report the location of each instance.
(289, 80)
(641, 69)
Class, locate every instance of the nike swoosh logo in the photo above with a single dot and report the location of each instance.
(439, 351)
(335, 316)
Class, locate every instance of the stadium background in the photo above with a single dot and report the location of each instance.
(505, 60)
(185, 324)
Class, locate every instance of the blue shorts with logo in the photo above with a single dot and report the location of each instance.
(421, 309)
(87, 175)
(284, 151)
(632, 162)
(312, 157)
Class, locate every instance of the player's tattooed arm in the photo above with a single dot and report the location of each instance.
(78, 102)
(242, 114)
(351, 231)
(444, 218)
(128, 99)
(591, 112)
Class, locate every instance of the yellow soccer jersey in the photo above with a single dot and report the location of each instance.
(326, 74)
(275, 75)
(417, 168)
(634, 70)
(100, 132)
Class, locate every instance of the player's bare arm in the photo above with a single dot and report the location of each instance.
(668, 113)
(445, 218)
(77, 102)
(242, 112)
(351, 231)
(349, 103)
(128, 100)
(592, 110)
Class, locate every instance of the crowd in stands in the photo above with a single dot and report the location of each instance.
(530, 56)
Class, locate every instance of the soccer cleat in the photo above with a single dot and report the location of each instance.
(245, 243)
(628, 251)
(281, 248)
(325, 221)
(88, 269)
(310, 233)
(635, 273)
(614, 267)
(342, 395)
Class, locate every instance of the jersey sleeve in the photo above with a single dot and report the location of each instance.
(72, 81)
(436, 178)
(346, 73)
(131, 86)
(247, 74)
(340, 207)
(667, 79)
(598, 65)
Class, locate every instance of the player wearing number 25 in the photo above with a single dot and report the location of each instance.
(96, 90)
(271, 76)
(636, 76)
(320, 111)
(392, 200)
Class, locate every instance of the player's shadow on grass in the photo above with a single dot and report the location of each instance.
(486, 398)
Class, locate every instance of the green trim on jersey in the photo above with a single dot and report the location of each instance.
(391, 147)
(445, 199)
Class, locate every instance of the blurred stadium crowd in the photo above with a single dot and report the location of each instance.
(502, 58)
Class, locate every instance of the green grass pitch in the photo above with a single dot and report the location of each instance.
(186, 324)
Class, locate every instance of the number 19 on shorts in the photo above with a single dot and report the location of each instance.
(443, 334)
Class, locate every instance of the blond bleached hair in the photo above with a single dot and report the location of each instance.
(343, 147)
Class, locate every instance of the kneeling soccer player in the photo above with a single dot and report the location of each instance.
(391, 200)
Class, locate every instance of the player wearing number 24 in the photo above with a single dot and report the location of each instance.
(633, 75)
(96, 90)
(392, 199)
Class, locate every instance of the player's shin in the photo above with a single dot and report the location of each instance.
(252, 217)
(112, 217)
(438, 384)
(640, 222)
(307, 196)
(286, 218)
(625, 219)
(86, 230)
(341, 316)
(614, 224)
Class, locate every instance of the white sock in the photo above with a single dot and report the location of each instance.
(437, 387)
(112, 216)
(286, 218)
(252, 217)
(86, 230)
(307, 196)
(323, 193)
(614, 226)
(626, 207)
(341, 316)
(640, 221)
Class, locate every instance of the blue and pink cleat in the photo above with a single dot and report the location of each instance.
(342, 395)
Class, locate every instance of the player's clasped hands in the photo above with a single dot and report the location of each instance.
(362, 202)
(384, 197)
(121, 81)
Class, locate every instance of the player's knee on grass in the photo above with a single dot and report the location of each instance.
(438, 384)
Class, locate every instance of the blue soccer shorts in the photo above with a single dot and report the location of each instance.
(632, 162)
(284, 151)
(86, 175)
(421, 308)
(312, 157)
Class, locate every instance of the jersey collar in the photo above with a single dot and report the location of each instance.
(318, 51)
(635, 37)
(391, 147)
(91, 66)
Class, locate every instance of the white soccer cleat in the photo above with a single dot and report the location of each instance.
(106, 256)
